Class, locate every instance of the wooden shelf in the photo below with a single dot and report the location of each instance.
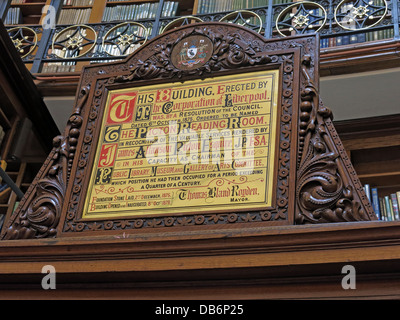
(31, 11)
(28, 9)
(76, 7)
(116, 3)
(374, 148)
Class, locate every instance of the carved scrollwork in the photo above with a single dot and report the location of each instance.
(41, 218)
(229, 51)
(324, 192)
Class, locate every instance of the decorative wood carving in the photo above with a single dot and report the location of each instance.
(315, 181)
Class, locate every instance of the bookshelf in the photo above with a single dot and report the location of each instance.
(373, 145)
(26, 12)
(205, 6)
(80, 11)
(129, 10)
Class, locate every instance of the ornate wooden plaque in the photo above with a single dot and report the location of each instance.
(192, 147)
(205, 128)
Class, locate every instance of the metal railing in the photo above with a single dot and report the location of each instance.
(338, 23)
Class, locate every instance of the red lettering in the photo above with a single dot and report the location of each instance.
(121, 108)
(221, 90)
(163, 95)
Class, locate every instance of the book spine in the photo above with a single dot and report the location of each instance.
(389, 210)
(395, 206)
(375, 202)
(200, 7)
(383, 209)
(16, 205)
(398, 198)
(367, 189)
(354, 38)
(345, 40)
(361, 37)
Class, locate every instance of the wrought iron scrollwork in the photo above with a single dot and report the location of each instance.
(180, 22)
(24, 39)
(124, 38)
(244, 18)
(302, 17)
(74, 41)
(360, 15)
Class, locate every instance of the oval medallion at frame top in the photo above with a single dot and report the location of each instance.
(192, 52)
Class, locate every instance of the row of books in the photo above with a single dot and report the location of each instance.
(386, 207)
(59, 67)
(18, 1)
(207, 6)
(14, 16)
(281, 1)
(78, 2)
(135, 12)
(74, 16)
(357, 38)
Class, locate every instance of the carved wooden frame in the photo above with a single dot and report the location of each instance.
(315, 181)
